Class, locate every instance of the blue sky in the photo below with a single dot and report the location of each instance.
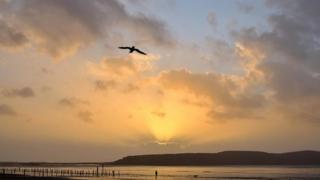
(187, 19)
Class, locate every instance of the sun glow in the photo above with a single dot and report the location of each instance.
(163, 130)
(166, 122)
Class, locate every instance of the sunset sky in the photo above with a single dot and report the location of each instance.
(219, 75)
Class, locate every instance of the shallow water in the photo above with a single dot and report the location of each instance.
(211, 172)
(217, 172)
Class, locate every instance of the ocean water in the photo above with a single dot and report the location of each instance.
(216, 172)
(196, 172)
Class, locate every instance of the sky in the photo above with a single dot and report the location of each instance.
(218, 75)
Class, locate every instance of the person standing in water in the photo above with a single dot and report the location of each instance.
(156, 173)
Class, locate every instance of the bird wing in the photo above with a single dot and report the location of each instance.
(124, 47)
(141, 52)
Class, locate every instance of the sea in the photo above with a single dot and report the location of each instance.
(216, 172)
(206, 172)
(196, 172)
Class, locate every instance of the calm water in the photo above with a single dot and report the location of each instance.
(234, 172)
(213, 172)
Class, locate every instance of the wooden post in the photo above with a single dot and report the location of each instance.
(102, 170)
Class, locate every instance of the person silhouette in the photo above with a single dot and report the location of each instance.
(156, 173)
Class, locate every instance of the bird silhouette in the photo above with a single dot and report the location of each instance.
(132, 49)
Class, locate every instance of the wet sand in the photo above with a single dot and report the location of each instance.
(12, 177)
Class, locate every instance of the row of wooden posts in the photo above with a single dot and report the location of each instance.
(56, 172)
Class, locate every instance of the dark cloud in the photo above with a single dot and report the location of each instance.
(85, 116)
(291, 64)
(150, 30)
(7, 110)
(10, 37)
(25, 92)
(61, 27)
(72, 102)
(291, 83)
(295, 32)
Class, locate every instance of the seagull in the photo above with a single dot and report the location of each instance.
(132, 49)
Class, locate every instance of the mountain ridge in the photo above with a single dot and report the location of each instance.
(307, 157)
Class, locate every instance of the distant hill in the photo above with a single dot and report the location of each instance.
(224, 158)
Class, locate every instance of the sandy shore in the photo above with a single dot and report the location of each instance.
(12, 177)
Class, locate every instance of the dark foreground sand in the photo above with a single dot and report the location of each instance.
(12, 177)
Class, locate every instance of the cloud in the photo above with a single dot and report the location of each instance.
(150, 30)
(7, 110)
(3, 2)
(10, 37)
(212, 20)
(60, 28)
(221, 54)
(225, 92)
(119, 66)
(46, 70)
(46, 88)
(104, 85)
(245, 7)
(72, 102)
(197, 103)
(294, 33)
(290, 63)
(25, 92)
(291, 83)
(122, 67)
(131, 88)
(85, 116)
